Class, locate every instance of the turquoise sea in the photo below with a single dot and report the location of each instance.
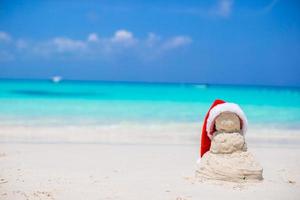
(42, 102)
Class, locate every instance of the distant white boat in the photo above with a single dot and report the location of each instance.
(56, 79)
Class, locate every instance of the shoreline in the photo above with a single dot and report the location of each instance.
(137, 133)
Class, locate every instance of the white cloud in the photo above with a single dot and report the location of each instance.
(5, 37)
(121, 43)
(152, 39)
(123, 36)
(93, 37)
(64, 44)
(176, 42)
(21, 44)
(221, 8)
(224, 8)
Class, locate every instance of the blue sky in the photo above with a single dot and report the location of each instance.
(212, 41)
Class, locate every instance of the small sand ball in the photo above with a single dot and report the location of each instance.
(227, 143)
(228, 122)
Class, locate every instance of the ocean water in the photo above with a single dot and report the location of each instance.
(95, 103)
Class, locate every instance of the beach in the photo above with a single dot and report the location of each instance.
(120, 169)
(82, 140)
(149, 100)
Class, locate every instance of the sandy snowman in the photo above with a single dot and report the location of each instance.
(223, 151)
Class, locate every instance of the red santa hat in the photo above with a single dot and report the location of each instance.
(218, 107)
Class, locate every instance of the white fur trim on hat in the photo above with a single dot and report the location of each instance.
(220, 108)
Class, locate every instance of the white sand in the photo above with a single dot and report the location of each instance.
(130, 167)
(87, 171)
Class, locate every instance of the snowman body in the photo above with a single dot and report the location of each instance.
(228, 158)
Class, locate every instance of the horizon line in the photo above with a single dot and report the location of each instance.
(153, 82)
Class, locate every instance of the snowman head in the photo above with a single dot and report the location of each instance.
(230, 117)
(227, 122)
